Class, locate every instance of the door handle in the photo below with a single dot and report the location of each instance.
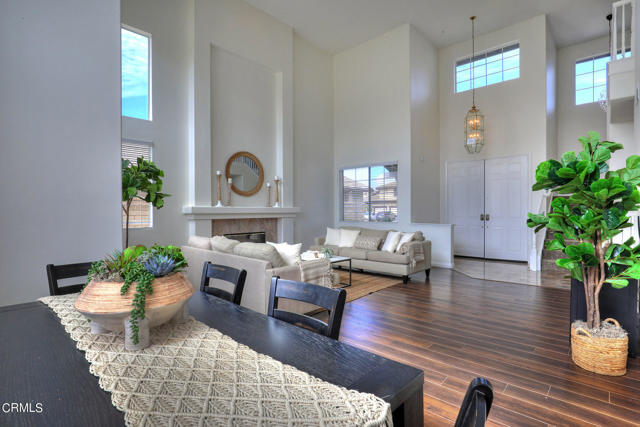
(487, 217)
(481, 217)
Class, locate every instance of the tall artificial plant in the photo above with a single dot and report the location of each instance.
(591, 210)
(142, 180)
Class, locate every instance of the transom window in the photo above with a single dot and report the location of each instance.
(136, 73)
(591, 77)
(370, 193)
(140, 212)
(490, 67)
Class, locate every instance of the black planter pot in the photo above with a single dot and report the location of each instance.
(620, 304)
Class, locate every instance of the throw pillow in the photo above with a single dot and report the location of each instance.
(259, 251)
(406, 238)
(333, 237)
(348, 237)
(367, 242)
(289, 253)
(391, 243)
(199, 242)
(223, 244)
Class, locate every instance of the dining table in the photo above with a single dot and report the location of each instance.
(45, 379)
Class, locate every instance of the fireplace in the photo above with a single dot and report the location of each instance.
(253, 237)
(246, 229)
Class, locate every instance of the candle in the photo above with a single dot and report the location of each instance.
(218, 172)
(268, 184)
(229, 180)
(275, 178)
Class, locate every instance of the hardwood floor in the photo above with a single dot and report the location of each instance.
(456, 328)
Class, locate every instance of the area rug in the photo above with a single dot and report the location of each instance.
(193, 375)
(365, 284)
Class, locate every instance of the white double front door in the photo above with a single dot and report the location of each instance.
(487, 203)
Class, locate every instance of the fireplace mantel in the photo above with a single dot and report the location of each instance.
(237, 212)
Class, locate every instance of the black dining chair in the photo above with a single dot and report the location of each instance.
(228, 274)
(476, 404)
(66, 271)
(331, 299)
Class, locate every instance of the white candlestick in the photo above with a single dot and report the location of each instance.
(218, 172)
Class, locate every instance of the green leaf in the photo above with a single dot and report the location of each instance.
(611, 218)
(578, 251)
(633, 162)
(568, 158)
(566, 263)
(566, 173)
(554, 245)
(601, 155)
(633, 271)
(618, 283)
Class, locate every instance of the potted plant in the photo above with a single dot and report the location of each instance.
(590, 212)
(134, 290)
(140, 181)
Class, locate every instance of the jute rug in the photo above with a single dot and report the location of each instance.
(365, 284)
(193, 375)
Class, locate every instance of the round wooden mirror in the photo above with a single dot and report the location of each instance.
(246, 173)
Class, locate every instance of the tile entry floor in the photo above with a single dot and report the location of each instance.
(509, 271)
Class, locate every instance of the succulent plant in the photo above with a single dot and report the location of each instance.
(160, 265)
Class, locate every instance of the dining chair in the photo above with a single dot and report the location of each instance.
(227, 274)
(476, 404)
(331, 299)
(66, 271)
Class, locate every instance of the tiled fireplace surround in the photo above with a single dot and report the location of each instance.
(246, 225)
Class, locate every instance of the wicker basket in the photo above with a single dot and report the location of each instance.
(606, 356)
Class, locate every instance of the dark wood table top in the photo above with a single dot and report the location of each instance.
(39, 363)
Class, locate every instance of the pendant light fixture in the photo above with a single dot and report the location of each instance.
(474, 121)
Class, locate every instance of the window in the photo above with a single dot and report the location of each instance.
(136, 73)
(140, 212)
(370, 193)
(591, 77)
(490, 67)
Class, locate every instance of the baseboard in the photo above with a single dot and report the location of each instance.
(442, 264)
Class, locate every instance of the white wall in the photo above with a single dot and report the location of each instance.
(551, 101)
(574, 120)
(170, 24)
(372, 109)
(239, 28)
(515, 111)
(425, 130)
(313, 140)
(244, 117)
(375, 88)
(60, 138)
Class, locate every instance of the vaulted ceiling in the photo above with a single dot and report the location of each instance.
(335, 25)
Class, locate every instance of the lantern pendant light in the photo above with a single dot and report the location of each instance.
(474, 121)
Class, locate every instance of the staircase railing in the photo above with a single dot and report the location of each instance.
(623, 29)
(535, 260)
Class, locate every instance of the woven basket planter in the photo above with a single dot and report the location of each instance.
(606, 356)
(108, 310)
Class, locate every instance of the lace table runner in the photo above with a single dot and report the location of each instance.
(193, 375)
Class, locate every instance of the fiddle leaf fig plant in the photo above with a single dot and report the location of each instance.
(591, 210)
(142, 180)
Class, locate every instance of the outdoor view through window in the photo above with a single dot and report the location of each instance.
(370, 193)
(135, 75)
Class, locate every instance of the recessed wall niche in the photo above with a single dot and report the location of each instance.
(245, 116)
